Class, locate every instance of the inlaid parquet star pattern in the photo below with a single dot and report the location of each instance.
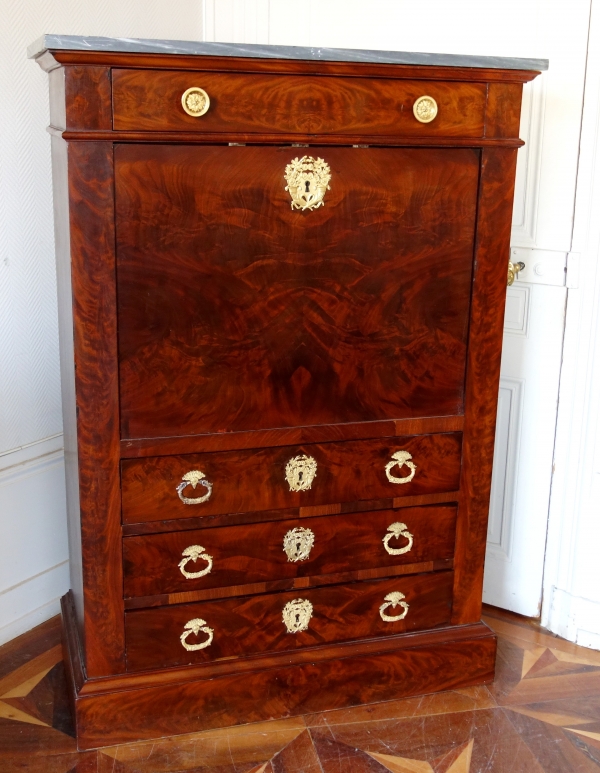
(541, 715)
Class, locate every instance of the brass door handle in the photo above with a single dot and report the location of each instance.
(196, 626)
(400, 458)
(193, 553)
(193, 478)
(393, 599)
(513, 270)
(397, 530)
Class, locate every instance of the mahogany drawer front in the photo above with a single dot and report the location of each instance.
(155, 488)
(302, 547)
(152, 101)
(157, 638)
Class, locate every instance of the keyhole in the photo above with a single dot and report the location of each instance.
(297, 618)
(298, 546)
(307, 185)
(300, 474)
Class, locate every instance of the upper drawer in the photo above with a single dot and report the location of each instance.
(169, 487)
(152, 101)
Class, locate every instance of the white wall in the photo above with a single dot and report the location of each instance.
(572, 578)
(33, 542)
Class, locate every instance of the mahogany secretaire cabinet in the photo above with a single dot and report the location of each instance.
(281, 281)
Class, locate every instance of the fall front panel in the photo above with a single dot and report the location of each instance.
(238, 311)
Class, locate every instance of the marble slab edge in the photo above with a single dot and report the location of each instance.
(199, 48)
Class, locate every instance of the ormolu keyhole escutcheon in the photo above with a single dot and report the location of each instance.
(307, 181)
(298, 543)
(300, 471)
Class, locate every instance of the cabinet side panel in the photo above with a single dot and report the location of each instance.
(483, 376)
(503, 111)
(88, 99)
(91, 203)
(60, 189)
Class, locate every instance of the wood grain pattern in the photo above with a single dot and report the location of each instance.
(313, 105)
(253, 624)
(483, 377)
(325, 140)
(145, 679)
(88, 98)
(254, 554)
(269, 317)
(503, 110)
(232, 519)
(314, 581)
(60, 197)
(255, 480)
(157, 704)
(229, 441)
(91, 207)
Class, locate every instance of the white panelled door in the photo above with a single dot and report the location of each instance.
(543, 216)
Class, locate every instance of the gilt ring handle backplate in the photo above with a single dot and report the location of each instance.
(193, 478)
(196, 626)
(400, 458)
(193, 553)
(394, 599)
(397, 530)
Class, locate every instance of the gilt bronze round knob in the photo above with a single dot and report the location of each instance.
(425, 109)
(195, 101)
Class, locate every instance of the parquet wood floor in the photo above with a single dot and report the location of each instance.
(541, 715)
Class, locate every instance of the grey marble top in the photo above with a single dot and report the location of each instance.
(196, 48)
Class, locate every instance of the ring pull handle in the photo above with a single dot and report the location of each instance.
(193, 553)
(193, 478)
(196, 626)
(400, 458)
(397, 530)
(296, 615)
(392, 600)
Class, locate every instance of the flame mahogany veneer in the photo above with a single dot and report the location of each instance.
(206, 325)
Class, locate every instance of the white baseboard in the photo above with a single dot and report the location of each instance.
(32, 601)
(574, 618)
(34, 566)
